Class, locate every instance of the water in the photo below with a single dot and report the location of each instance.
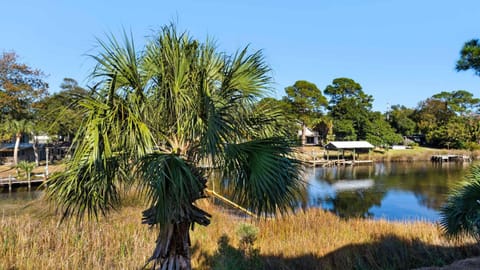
(394, 191)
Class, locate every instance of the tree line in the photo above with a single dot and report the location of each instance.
(343, 111)
(27, 108)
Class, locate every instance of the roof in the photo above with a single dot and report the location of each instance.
(308, 132)
(349, 145)
(7, 147)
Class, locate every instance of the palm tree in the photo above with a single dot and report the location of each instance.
(27, 168)
(461, 213)
(162, 118)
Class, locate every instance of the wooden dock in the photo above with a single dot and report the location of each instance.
(450, 158)
(335, 162)
(12, 181)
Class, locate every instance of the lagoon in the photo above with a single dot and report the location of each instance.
(396, 191)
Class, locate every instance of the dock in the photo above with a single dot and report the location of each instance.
(450, 158)
(335, 162)
(12, 181)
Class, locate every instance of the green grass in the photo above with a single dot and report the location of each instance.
(313, 239)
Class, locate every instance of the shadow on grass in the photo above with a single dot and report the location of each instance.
(388, 252)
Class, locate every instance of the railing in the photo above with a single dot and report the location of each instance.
(11, 181)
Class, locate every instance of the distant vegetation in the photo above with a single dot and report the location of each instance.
(445, 120)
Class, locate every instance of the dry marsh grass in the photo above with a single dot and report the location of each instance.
(313, 239)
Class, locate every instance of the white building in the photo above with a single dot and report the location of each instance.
(312, 137)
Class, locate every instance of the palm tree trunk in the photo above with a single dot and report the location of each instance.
(35, 151)
(173, 248)
(18, 136)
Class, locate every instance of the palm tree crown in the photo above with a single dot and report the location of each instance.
(161, 118)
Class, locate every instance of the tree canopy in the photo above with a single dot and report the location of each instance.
(306, 100)
(469, 57)
(350, 108)
(59, 114)
(21, 87)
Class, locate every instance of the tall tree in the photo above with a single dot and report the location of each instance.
(348, 104)
(400, 118)
(21, 87)
(159, 117)
(58, 114)
(306, 102)
(460, 101)
(470, 57)
(432, 113)
(379, 132)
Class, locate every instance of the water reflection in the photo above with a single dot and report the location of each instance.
(394, 191)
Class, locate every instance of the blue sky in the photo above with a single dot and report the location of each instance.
(401, 52)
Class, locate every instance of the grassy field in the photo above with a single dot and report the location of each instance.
(30, 238)
(314, 239)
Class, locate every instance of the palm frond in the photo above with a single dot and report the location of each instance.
(119, 66)
(111, 137)
(247, 73)
(86, 190)
(172, 186)
(461, 213)
(262, 176)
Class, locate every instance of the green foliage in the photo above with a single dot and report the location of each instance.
(400, 118)
(461, 212)
(379, 132)
(346, 88)
(246, 257)
(470, 57)
(171, 184)
(247, 235)
(253, 171)
(21, 87)
(452, 135)
(353, 118)
(305, 103)
(446, 119)
(344, 130)
(158, 117)
(270, 117)
(26, 167)
(228, 257)
(60, 114)
(460, 101)
(306, 100)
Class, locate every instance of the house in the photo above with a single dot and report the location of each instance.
(312, 137)
(26, 149)
(25, 152)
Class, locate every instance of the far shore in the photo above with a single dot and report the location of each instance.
(387, 155)
(315, 152)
